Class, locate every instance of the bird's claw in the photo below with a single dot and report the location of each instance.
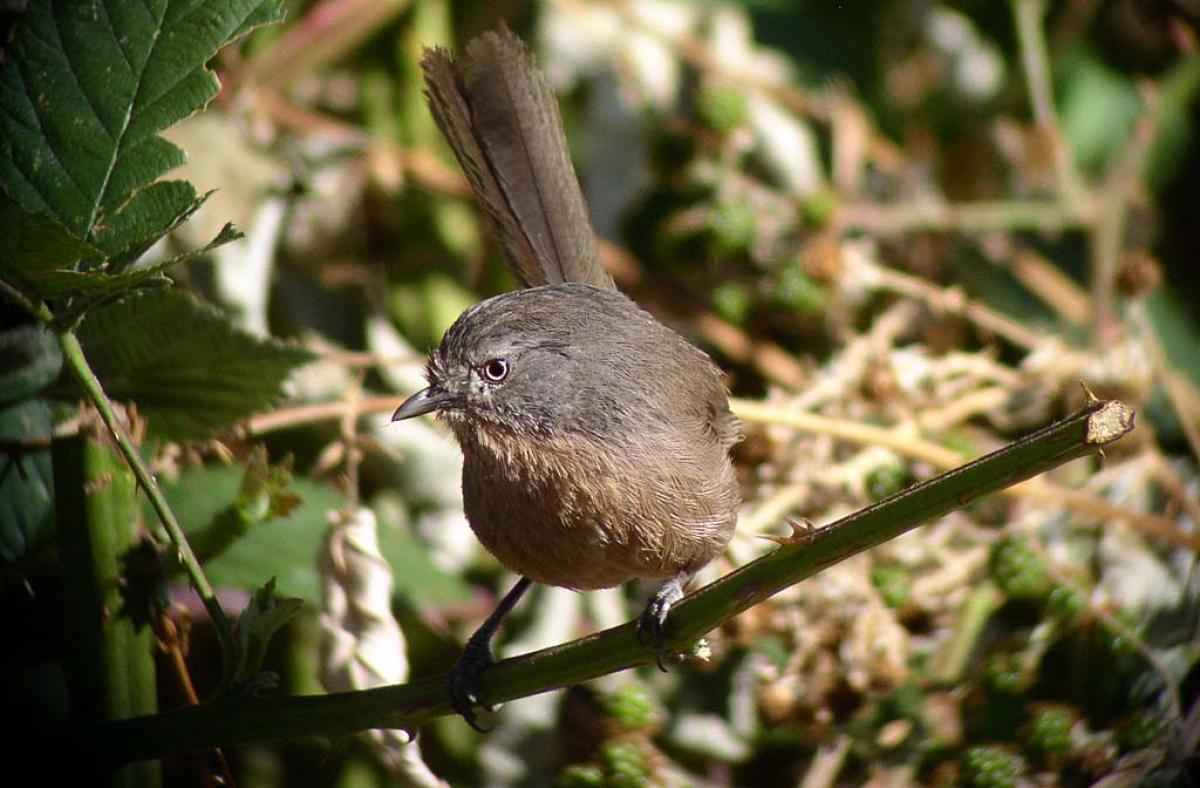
(463, 683)
(654, 617)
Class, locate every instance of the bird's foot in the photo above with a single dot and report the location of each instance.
(463, 682)
(654, 618)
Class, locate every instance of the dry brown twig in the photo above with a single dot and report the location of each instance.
(940, 300)
(303, 415)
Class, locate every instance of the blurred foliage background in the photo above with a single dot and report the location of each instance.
(907, 230)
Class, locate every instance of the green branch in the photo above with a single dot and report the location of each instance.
(243, 720)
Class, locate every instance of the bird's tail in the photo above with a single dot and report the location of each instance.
(502, 121)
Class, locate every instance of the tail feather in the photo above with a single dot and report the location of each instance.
(502, 122)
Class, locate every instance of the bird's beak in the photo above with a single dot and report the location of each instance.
(424, 401)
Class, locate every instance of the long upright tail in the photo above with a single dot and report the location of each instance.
(502, 121)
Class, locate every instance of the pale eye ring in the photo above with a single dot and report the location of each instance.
(496, 369)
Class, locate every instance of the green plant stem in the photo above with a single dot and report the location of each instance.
(109, 646)
(74, 358)
(1029, 17)
(243, 720)
(36, 308)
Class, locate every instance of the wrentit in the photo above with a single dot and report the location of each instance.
(595, 439)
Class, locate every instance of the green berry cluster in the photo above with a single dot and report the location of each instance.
(990, 767)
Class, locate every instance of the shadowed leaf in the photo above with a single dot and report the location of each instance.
(185, 366)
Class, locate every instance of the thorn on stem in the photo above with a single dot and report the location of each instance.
(802, 531)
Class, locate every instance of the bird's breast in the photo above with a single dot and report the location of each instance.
(576, 511)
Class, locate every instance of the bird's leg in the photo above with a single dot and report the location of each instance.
(654, 617)
(463, 684)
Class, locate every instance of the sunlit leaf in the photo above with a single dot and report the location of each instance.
(84, 91)
(281, 547)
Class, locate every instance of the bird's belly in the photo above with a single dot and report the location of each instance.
(578, 553)
(599, 526)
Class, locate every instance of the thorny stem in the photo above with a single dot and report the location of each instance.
(77, 362)
(244, 720)
(906, 444)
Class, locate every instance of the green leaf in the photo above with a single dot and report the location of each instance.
(283, 547)
(188, 369)
(98, 285)
(148, 215)
(264, 496)
(30, 244)
(26, 482)
(258, 623)
(42, 256)
(29, 361)
(84, 90)
(419, 582)
(95, 284)
(1098, 108)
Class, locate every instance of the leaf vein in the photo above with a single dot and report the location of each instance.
(116, 38)
(41, 131)
(139, 76)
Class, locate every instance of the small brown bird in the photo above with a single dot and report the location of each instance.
(595, 439)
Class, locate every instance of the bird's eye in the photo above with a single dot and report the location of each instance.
(496, 369)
